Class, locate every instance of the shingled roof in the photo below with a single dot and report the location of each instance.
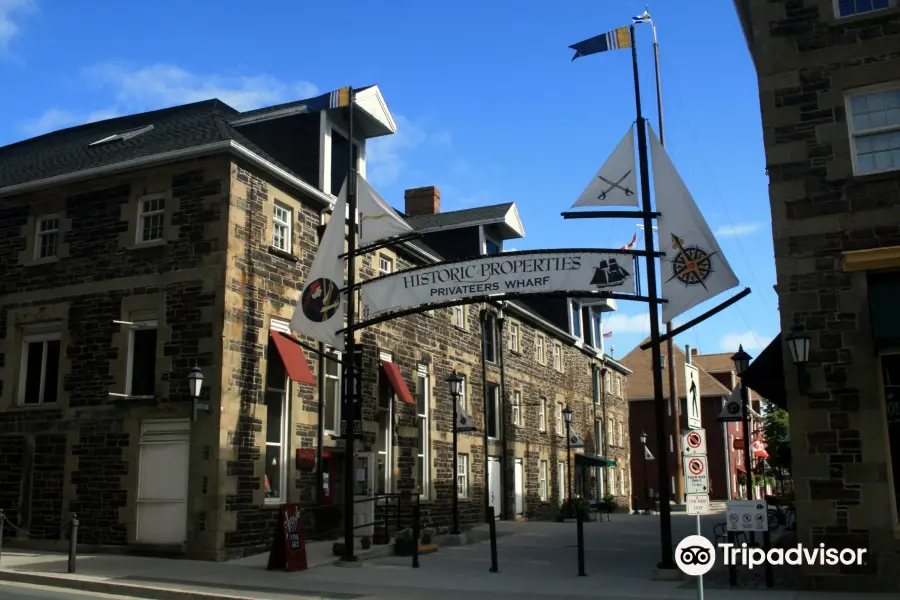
(640, 384)
(500, 214)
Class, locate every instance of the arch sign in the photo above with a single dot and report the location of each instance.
(573, 272)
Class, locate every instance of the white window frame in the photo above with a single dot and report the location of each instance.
(514, 337)
(622, 483)
(458, 315)
(610, 431)
(598, 432)
(385, 264)
(596, 392)
(282, 227)
(330, 128)
(494, 398)
(462, 475)
(143, 214)
(138, 322)
(671, 443)
(334, 380)
(40, 234)
(542, 416)
(557, 357)
(621, 431)
(575, 318)
(854, 135)
(517, 408)
(561, 480)
(558, 418)
(388, 433)
(283, 444)
(49, 336)
(423, 451)
(541, 349)
(464, 395)
(543, 475)
(837, 10)
(489, 327)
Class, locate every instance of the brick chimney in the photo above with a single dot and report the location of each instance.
(422, 201)
(693, 352)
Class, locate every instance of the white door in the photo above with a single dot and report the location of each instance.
(520, 488)
(494, 483)
(163, 481)
(363, 488)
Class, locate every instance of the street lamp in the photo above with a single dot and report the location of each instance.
(455, 381)
(741, 362)
(798, 345)
(567, 415)
(195, 384)
(646, 486)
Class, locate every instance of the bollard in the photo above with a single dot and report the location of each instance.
(73, 542)
(732, 569)
(579, 524)
(767, 545)
(415, 556)
(492, 527)
(2, 518)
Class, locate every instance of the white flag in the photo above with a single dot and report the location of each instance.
(576, 441)
(319, 313)
(377, 219)
(647, 454)
(694, 268)
(463, 421)
(615, 184)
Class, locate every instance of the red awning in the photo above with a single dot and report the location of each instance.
(741, 469)
(393, 374)
(293, 358)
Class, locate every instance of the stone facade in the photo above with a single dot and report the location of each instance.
(214, 287)
(811, 63)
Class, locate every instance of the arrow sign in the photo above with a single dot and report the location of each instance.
(694, 441)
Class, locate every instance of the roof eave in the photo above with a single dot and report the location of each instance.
(372, 103)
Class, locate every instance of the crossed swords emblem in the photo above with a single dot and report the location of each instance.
(614, 185)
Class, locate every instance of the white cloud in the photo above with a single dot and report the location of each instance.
(749, 339)
(9, 28)
(55, 118)
(510, 249)
(384, 155)
(619, 323)
(738, 229)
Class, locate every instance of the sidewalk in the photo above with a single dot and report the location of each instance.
(536, 560)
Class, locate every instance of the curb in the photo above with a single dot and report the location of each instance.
(132, 590)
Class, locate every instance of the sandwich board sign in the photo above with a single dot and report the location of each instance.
(693, 442)
(696, 475)
(692, 393)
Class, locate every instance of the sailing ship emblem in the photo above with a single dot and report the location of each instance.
(692, 265)
(609, 274)
(615, 185)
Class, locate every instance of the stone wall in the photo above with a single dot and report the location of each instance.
(806, 61)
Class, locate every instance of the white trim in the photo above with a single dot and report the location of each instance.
(462, 471)
(481, 239)
(373, 97)
(38, 235)
(281, 173)
(384, 355)
(139, 224)
(542, 415)
(330, 128)
(853, 135)
(288, 224)
(42, 338)
(332, 353)
(280, 325)
(423, 448)
(134, 326)
(572, 303)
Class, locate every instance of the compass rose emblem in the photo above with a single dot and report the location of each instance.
(692, 265)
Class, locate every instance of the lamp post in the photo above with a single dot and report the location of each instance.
(455, 382)
(567, 415)
(741, 362)
(195, 384)
(646, 486)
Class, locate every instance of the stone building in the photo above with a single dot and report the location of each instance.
(135, 249)
(829, 84)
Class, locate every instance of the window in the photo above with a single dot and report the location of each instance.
(281, 228)
(874, 122)
(609, 432)
(561, 487)
(122, 136)
(539, 342)
(332, 408)
(596, 330)
(542, 415)
(462, 475)
(140, 376)
(598, 426)
(39, 377)
(517, 408)
(464, 395)
(493, 412)
(847, 8)
(622, 483)
(559, 418)
(671, 443)
(46, 237)
(596, 384)
(385, 436)
(339, 159)
(621, 434)
(423, 403)
(575, 318)
(489, 335)
(385, 265)
(458, 316)
(490, 247)
(617, 390)
(277, 395)
(542, 481)
(514, 337)
(151, 219)
(557, 357)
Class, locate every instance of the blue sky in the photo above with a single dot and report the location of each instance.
(489, 107)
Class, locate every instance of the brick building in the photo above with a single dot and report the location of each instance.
(829, 83)
(723, 440)
(134, 249)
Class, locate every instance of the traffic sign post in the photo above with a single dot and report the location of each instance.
(696, 475)
(693, 442)
(692, 391)
(698, 504)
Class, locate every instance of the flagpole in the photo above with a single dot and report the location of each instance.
(670, 342)
(348, 412)
(665, 517)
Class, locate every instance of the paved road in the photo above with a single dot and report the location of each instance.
(22, 591)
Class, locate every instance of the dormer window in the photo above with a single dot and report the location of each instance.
(490, 247)
(575, 318)
(122, 136)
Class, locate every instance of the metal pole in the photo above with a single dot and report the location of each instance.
(504, 425)
(492, 527)
(484, 394)
(745, 402)
(700, 578)
(348, 411)
(665, 517)
(455, 470)
(415, 548)
(732, 569)
(647, 502)
(767, 545)
(579, 526)
(73, 543)
(2, 519)
(320, 428)
(728, 477)
(569, 459)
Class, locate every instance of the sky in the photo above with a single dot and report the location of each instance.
(489, 106)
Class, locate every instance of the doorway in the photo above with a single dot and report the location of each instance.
(363, 489)
(520, 488)
(163, 461)
(495, 485)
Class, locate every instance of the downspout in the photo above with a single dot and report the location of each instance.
(603, 373)
(484, 394)
(596, 388)
(504, 427)
(320, 428)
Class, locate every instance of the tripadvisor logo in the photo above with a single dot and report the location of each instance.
(696, 555)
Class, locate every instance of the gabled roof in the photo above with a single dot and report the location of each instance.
(715, 363)
(505, 215)
(640, 384)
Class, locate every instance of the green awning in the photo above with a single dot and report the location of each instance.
(884, 290)
(592, 460)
